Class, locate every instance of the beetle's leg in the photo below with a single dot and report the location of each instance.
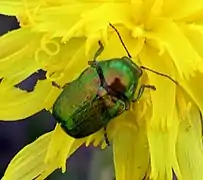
(100, 74)
(106, 136)
(141, 90)
(123, 100)
(99, 51)
(127, 105)
(95, 64)
(58, 86)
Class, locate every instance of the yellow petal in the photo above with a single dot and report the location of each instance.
(59, 24)
(77, 60)
(21, 103)
(192, 85)
(13, 7)
(162, 151)
(130, 147)
(163, 98)
(86, 18)
(17, 60)
(189, 146)
(194, 34)
(60, 148)
(186, 58)
(134, 45)
(162, 128)
(176, 10)
(62, 66)
(29, 162)
(194, 88)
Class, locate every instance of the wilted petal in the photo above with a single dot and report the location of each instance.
(31, 156)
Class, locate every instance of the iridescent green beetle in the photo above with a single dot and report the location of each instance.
(102, 92)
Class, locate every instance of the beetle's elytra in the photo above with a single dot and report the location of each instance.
(84, 106)
(102, 92)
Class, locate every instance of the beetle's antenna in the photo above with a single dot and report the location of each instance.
(158, 73)
(121, 40)
(142, 67)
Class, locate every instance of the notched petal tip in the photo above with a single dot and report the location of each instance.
(131, 153)
(22, 104)
(189, 147)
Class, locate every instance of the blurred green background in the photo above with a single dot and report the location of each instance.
(86, 164)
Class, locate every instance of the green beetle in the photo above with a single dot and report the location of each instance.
(102, 92)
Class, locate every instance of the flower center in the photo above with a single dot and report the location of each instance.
(138, 31)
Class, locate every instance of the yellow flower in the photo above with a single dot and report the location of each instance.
(160, 134)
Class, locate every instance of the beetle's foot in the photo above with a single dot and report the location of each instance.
(93, 63)
(152, 87)
(106, 137)
(56, 85)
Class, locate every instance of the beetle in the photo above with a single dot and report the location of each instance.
(103, 91)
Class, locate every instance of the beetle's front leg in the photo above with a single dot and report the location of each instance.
(141, 90)
(99, 51)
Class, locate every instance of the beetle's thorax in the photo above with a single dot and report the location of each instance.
(121, 75)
